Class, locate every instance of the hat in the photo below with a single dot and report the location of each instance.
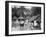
(21, 18)
(14, 17)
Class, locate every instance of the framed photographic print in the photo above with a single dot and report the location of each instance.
(24, 18)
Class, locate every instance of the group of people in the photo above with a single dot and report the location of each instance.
(24, 24)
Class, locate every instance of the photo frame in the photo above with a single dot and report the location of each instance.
(24, 18)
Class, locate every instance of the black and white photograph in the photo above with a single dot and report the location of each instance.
(25, 18)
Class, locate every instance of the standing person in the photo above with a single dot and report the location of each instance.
(31, 25)
(26, 24)
(21, 24)
(21, 21)
(35, 25)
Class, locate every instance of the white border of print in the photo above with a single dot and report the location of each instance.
(24, 32)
